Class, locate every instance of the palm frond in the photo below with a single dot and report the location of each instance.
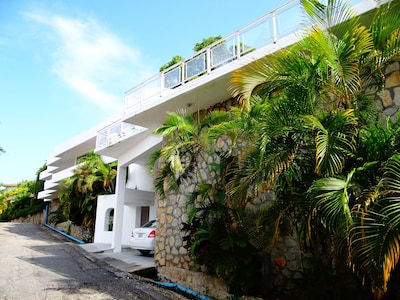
(152, 160)
(334, 140)
(181, 121)
(329, 199)
(334, 16)
(385, 28)
(245, 80)
(376, 238)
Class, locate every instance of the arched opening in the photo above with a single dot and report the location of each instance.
(109, 224)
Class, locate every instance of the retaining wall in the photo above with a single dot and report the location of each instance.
(172, 259)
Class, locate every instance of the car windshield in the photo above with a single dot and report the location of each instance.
(152, 223)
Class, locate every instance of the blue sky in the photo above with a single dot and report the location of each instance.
(65, 65)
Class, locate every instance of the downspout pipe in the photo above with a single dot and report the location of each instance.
(181, 288)
(57, 230)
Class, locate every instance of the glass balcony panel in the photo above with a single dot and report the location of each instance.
(223, 53)
(116, 133)
(173, 78)
(196, 66)
(256, 35)
(290, 19)
(115, 129)
(268, 29)
(133, 97)
(127, 129)
(101, 140)
(151, 88)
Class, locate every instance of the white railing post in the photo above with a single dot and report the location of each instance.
(108, 137)
(182, 72)
(183, 67)
(238, 48)
(162, 82)
(141, 99)
(274, 27)
(208, 60)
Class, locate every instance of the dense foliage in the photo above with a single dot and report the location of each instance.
(307, 132)
(78, 193)
(21, 201)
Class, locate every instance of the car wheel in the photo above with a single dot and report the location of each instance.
(144, 252)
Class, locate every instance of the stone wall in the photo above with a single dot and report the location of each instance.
(197, 281)
(169, 249)
(285, 257)
(174, 262)
(35, 219)
(39, 217)
(80, 232)
(389, 99)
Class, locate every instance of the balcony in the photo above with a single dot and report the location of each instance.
(115, 133)
(266, 30)
(205, 75)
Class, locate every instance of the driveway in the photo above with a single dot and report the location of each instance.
(128, 260)
(37, 264)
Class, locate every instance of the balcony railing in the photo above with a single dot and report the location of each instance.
(115, 133)
(266, 30)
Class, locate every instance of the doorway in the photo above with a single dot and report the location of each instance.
(144, 214)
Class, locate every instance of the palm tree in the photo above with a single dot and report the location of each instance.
(79, 192)
(185, 148)
(305, 131)
(315, 93)
(214, 235)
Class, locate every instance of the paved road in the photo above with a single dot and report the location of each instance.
(36, 264)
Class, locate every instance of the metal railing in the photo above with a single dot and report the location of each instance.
(115, 133)
(266, 30)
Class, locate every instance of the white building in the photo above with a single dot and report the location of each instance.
(197, 82)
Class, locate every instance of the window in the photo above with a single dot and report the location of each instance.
(109, 220)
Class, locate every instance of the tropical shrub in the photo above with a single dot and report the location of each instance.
(21, 201)
(320, 145)
(213, 236)
(308, 133)
(78, 193)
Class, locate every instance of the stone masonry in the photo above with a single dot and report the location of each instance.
(389, 98)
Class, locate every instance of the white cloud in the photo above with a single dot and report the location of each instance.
(93, 91)
(90, 59)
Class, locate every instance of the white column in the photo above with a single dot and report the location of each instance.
(119, 209)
